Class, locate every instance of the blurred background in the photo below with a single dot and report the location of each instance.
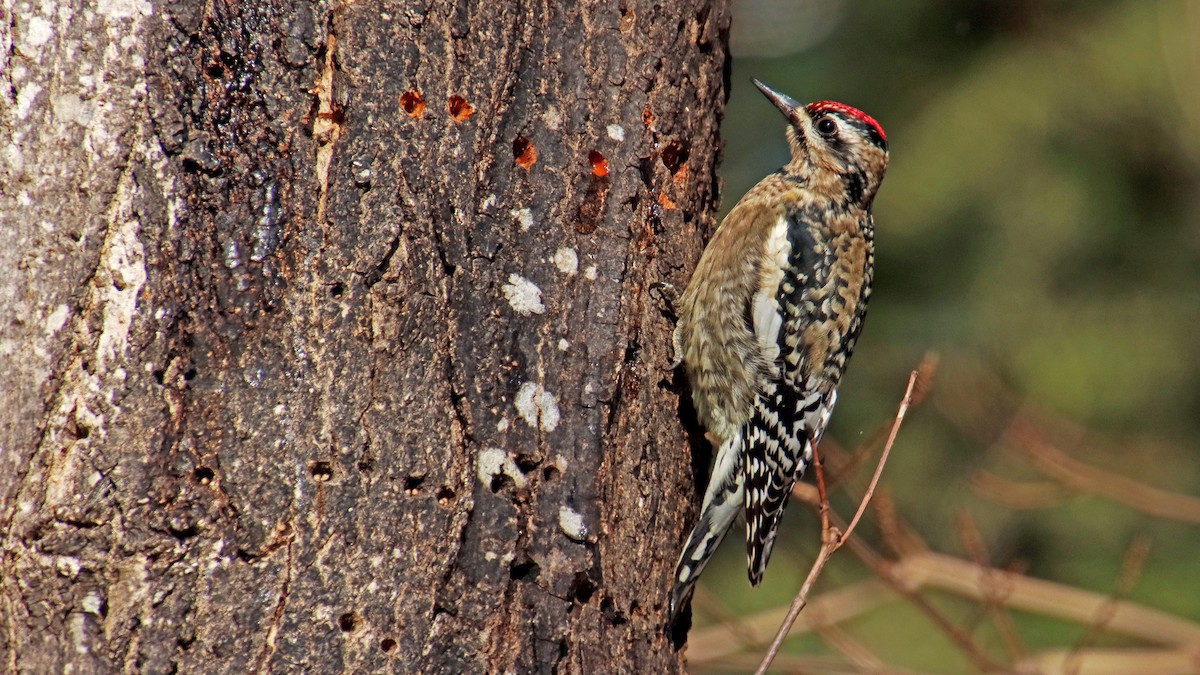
(1039, 231)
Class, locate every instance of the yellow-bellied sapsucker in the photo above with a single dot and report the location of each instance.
(770, 318)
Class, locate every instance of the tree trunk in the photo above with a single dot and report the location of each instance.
(327, 340)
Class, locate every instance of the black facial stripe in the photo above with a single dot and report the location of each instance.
(867, 131)
(836, 143)
(854, 182)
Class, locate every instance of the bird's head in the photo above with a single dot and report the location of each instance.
(833, 137)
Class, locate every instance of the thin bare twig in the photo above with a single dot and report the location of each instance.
(993, 604)
(822, 495)
(832, 540)
(1018, 495)
(899, 538)
(1131, 569)
(857, 654)
(891, 574)
(733, 623)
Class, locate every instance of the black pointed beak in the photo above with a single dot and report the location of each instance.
(786, 104)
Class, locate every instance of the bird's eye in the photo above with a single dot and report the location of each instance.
(827, 126)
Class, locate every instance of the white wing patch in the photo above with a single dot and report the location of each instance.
(767, 314)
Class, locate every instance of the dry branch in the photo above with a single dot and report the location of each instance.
(1131, 570)
(716, 642)
(1074, 474)
(1002, 620)
(943, 572)
(936, 571)
(1018, 495)
(1114, 662)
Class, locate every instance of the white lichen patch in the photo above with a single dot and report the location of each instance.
(38, 32)
(553, 117)
(93, 603)
(492, 462)
(124, 261)
(590, 273)
(488, 203)
(57, 319)
(524, 218)
(124, 9)
(523, 295)
(566, 260)
(68, 566)
(70, 108)
(16, 161)
(563, 344)
(26, 95)
(504, 558)
(616, 132)
(571, 523)
(538, 407)
(78, 633)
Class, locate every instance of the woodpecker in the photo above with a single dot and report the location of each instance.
(769, 320)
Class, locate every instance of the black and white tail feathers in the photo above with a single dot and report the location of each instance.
(779, 441)
(752, 477)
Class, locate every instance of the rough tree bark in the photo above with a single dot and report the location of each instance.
(326, 335)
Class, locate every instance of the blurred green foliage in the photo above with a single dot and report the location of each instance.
(1039, 228)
